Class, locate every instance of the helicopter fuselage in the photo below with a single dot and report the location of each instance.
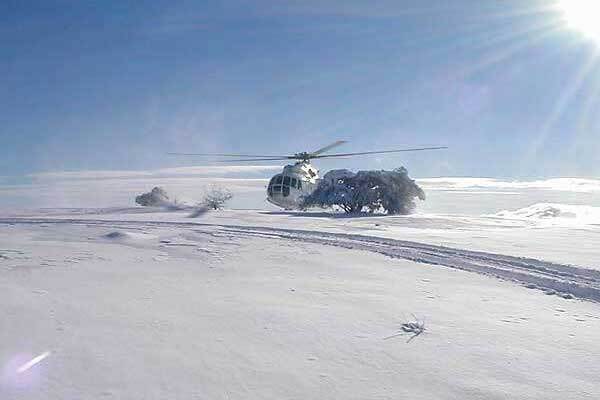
(288, 188)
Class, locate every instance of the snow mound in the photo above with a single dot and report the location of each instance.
(555, 213)
(117, 235)
(124, 235)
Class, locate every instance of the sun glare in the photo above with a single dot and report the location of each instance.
(582, 15)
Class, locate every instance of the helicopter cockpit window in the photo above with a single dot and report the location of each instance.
(286, 181)
(278, 179)
(286, 191)
(299, 184)
(293, 184)
(277, 188)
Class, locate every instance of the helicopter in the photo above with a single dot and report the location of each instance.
(298, 180)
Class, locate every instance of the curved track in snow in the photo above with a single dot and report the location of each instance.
(553, 278)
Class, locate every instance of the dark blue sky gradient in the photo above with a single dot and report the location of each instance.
(117, 84)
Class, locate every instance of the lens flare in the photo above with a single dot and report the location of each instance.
(29, 364)
(582, 15)
(22, 371)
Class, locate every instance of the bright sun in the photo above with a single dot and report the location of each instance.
(583, 15)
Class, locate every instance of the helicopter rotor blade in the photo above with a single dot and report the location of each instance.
(379, 152)
(255, 159)
(328, 147)
(300, 156)
(227, 155)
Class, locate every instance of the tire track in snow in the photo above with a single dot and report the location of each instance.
(535, 274)
(553, 278)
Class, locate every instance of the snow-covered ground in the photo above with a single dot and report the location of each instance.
(134, 303)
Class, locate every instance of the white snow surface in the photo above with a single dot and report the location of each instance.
(556, 214)
(578, 185)
(136, 303)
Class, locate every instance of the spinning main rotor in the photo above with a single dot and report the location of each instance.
(303, 156)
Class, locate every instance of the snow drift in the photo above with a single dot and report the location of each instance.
(559, 214)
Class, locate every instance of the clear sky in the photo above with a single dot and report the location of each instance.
(512, 89)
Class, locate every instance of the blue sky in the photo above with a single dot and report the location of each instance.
(117, 84)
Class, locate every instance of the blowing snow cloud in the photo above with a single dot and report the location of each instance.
(391, 192)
